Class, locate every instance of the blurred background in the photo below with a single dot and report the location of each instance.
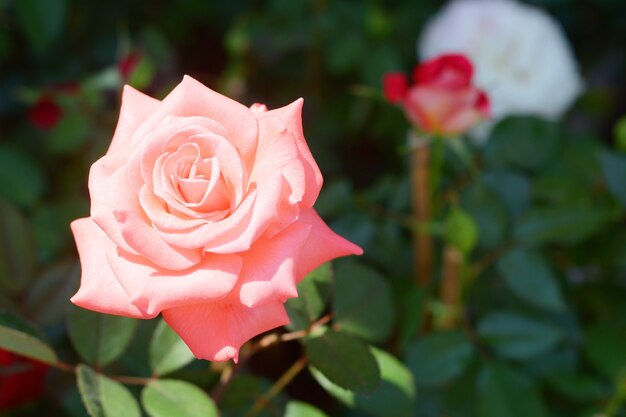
(62, 66)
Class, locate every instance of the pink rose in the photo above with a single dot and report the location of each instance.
(202, 210)
(443, 99)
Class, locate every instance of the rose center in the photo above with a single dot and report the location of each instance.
(197, 180)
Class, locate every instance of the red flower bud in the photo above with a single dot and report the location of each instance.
(443, 99)
(45, 114)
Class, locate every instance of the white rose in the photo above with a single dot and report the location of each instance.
(520, 53)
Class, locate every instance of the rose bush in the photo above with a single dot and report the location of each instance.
(443, 99)
(523, 60)
(202, 210)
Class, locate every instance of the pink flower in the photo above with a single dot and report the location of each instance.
(443, 99)
(202, 210)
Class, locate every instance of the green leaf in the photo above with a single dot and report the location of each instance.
(41, 20)
(394, 397)
(512, 188)
(488, 212)
(69, 134)
(605, 346)
(412, 309)
(580, 388)
(22, 178)
(523, 142)
(313, 293)
(439, 358)
(168, 352)
(168, 397)
(460, 230)
(614, 169)
(362, 302)
(505, 393)
(243, 391)
(18, 336)
(619, 133)
(301, 409)
(528, 275)
(46, 299)
(104, 397)
(99, 338)
(567, 225)
(17, 248)
(344, 360)
(143, 74)
(518, 337)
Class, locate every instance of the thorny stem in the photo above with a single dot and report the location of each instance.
(278, 386)
(421, 202)
(130, 380)
(451, 284)
(266, 341)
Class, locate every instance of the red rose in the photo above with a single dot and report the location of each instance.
(443, 99)
(21, 380)
(45, 114)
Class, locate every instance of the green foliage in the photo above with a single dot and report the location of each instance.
(528, 143)
(394, 397)
(19, 336)
(362, 302)
(301, 409)
(21, 177)
(99, 338)
(460, 230)
(537, 210)
(344, 360)
(528, 275)
(104, 397)
(614, 169)
(41, 21)
(313, 293)
(503, 392)
(168, 397)
(516, 336)
(439, 358)
(17, 249)
(168, 352)
(563, 225)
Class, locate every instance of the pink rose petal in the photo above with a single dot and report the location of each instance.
(99, 289)
(216, 331)
(153, 289)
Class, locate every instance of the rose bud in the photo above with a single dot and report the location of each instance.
(442, 99)
(45, 114)
(202, 210)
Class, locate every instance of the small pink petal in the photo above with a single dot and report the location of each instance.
(216, 331)
(291, 116)
(153, 289)
(192, 98)
(322, 244)
(138, 233)
(99, 289)
(269, 267)
(136, 107)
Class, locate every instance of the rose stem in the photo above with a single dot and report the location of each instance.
(451, 285)
(421, 185)
(130, 380)
(278, 386)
